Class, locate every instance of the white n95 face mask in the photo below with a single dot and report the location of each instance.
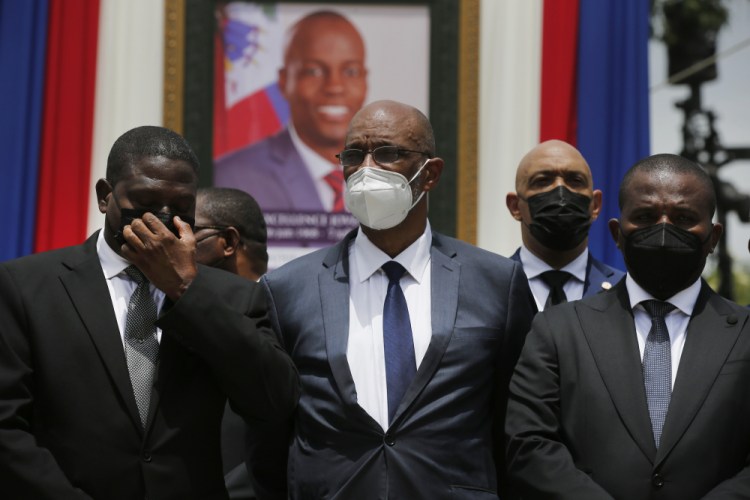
(380, 199)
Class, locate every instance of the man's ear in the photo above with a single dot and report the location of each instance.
(434, 170)
(614, 230)
(511, 201)
(232, 241)
(596, 204)
(103, 190)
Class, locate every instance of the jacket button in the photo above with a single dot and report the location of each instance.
(146, 456)
(657, 480)
(389, 439)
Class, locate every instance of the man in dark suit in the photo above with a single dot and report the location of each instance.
(117, 355)
(402, 378)
(230, 234)
(642, 391)
(556, 203)
(324, 80)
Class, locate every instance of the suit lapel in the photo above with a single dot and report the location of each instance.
(609, 329)
(596, 277)
(444, 303)
(333, 286)
(89, 294)
(712, 332)
(292, 173)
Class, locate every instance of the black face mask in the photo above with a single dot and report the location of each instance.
(664, 259)
(560, 218)
(128, 215)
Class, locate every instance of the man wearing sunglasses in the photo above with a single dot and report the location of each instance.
(404, 338)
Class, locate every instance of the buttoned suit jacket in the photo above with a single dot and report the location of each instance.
(69, 423)
(599, 276)
(273, 172)
(578, 422)
(440, 443)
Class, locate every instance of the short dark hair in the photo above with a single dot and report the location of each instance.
(668, 164)
(232, 207)
(147, 142)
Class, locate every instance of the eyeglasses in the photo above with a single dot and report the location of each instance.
(219, 230)
(382, 155)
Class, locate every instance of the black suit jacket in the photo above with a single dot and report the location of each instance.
(578, 424)
(69, 425)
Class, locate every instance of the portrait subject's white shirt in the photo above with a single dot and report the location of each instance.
(533, 266)
(318, 167)
(368, 286)
(120, 286)
(676, 320)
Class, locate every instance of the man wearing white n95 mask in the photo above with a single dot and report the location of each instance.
(404, 338)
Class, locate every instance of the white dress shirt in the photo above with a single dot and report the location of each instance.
(318, 167)
(676, 320)
(368, 286)
(120, 286)
(533, 267)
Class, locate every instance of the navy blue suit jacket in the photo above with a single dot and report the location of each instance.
(441, 443)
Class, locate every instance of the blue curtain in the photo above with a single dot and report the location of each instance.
(613, 108)
(23, 37)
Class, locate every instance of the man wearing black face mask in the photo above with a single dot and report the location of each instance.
(117, 356)
(556, 204)
(642, 391)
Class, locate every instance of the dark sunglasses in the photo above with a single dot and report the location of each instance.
(383, 155)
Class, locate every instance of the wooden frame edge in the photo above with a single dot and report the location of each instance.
(468, 107)
(174, 64)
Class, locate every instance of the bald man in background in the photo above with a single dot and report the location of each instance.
(324, 81)
(556, 203)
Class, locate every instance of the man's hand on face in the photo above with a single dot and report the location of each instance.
(167, 261)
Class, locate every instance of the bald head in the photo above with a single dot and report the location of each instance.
(405, 125)
(551, 156)
(312, 26)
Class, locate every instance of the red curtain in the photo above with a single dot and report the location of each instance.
(559, 49)
(64, 185)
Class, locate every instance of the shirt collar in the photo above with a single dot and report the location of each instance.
(684, 300)
(414, 258)
(112, 263)
(318, 166)
(533, 266)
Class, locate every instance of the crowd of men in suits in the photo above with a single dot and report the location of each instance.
(400, 363)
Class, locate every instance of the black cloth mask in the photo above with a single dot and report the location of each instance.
(128, 215)
(560, 218)
(664, 259)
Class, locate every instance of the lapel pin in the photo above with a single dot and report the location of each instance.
(606, 285)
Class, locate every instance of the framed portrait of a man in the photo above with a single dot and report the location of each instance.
(291, 77)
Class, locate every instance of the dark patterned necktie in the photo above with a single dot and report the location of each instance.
(141, 344)
(398, 343)
(555, 280)
(335, 180)
(657, 365)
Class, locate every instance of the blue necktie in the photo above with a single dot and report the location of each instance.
(657, 365)
(398, 344)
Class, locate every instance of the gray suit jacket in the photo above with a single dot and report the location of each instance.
(440, 444)
(273, 172)
(578, 422)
